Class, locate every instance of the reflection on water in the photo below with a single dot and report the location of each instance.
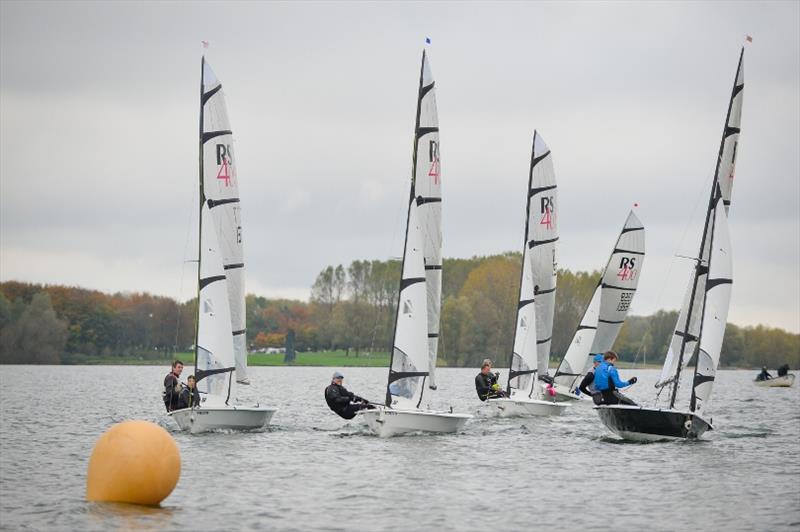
(312, 470)
(120, 516)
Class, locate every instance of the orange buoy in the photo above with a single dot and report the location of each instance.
(134, 461)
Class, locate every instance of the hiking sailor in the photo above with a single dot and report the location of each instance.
(607, 381)
(341, 401)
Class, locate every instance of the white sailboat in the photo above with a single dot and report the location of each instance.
(701, 323)
(415, 341)
(534, 324)
(220, 350)
(607, 309)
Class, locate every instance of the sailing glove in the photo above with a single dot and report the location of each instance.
(633, 380)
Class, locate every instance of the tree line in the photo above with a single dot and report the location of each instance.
(351, 308)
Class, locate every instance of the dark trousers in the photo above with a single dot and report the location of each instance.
(349, 412)
(613, 397)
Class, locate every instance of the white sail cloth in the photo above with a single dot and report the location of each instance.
(524, 356)
(428, 186)
(606, 312)
(410, 350)
(221, 191)
(715, 310)
(542, 236)
(215, 357)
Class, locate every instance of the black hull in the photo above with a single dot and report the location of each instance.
(648, 424)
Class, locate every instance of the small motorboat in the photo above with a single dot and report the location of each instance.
(784, 381)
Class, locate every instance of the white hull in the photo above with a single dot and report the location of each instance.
(563, 395)
(197, 420)
(527, 407)
(386, 422)
(778, 382)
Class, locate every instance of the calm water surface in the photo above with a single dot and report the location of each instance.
(314, 471)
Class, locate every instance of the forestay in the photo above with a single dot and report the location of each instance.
(609, 305)
(221, 190)
(684, 339)
(542, 235)
(409, 364)
(715, 313)
(428, 183)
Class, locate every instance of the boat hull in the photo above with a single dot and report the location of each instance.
(386, 422)
(637, 423)
(563, 395)
(197, 420)
(510, 407)
(778, 382)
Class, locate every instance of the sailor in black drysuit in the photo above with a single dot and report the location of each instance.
(344, 403)
(172, 387)
(764, 375)
(190, 396)
(587, 384)
(783, 370)
(486, 383)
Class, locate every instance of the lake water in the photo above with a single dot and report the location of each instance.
(315, 471)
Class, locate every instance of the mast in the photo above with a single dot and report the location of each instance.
(715, 197)
(729, 130)
(200, 211)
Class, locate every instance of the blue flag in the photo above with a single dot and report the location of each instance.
(427, 40)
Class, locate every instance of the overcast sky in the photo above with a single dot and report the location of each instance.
(98, 136)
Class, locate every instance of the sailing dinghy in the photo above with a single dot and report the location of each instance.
(607, 309)
(701, 323)
(534, 324)
(414, 345)
(220, 350)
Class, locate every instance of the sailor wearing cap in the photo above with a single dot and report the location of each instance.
(344, 403)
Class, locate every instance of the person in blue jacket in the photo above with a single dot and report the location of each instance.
(607, 382)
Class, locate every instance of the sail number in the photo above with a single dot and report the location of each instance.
(625, 301)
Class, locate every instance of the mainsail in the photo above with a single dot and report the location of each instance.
(428, 183)
(221, 193)
(409, 364)
(687, 330)
(542, 234)
(608, 306)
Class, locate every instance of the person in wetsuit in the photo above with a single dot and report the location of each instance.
(587, 384)
(783, 370)
(190, 396)
(341, 401)
(172, 387)
(607, 382)
(764, 375)
(486, 382)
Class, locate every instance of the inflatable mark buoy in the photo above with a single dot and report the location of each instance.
(135, 462)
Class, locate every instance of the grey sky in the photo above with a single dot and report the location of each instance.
(98, 129)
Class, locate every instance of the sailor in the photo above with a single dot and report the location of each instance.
(587, 384)
(607, 381)
(190, 396)
(783, 370)
(764, 375)
(486, 382)
(344, 403)
(172, 387)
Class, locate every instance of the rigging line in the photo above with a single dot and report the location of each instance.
(183, 268)
(664, 284)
